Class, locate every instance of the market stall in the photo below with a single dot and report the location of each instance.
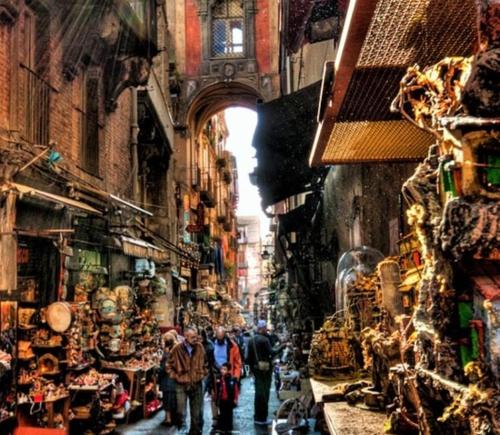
(82, 357)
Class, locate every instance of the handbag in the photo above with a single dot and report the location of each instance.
(263, 366)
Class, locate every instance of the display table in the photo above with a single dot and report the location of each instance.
(136, 378)
(323, 387)
(344, 419)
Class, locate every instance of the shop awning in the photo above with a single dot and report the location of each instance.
(129, 205)
(300, 217)
(179, 278)
(51, 197)
(283, 138)
(211, 292)
(142, 249)
(380, 40)
(214, 305)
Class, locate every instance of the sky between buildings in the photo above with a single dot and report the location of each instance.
(241, 124)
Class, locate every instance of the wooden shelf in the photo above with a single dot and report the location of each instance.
(89, 388)
(26, 359)
(46, 401)
(78, 368)
(27, 327)
(46, 346)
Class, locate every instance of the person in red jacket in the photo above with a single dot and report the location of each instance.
(226, 394)
(224, 351)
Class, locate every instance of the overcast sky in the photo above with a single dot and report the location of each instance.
(241, 124)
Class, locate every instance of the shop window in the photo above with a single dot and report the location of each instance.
(90, 123)
(228, 29)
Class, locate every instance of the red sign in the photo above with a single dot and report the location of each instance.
(23, 256)
(195, 228)
(198, 226)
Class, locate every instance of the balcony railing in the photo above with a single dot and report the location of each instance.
(196, 178)
(223, 216)
(37, 105)
(207, 193)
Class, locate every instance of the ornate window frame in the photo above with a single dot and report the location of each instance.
(219, 64)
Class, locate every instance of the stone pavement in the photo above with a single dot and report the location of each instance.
(243, 417)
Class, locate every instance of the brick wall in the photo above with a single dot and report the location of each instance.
(5, 34)
(65, 114)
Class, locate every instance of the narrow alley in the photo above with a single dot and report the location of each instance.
(243, 417)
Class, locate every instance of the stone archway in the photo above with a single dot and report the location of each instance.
(217, 97)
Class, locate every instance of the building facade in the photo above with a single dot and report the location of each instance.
(85, 129)
(250, 263)
(222, 57)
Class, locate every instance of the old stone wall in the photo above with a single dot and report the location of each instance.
(5, 35)
(360, 207)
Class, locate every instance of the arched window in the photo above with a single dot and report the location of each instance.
(228, 29)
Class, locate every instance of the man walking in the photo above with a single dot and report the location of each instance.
(227, 351)
(186, 366)
(260, 354)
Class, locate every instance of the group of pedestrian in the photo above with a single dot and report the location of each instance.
(213, 362)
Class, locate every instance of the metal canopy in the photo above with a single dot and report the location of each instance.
(380, 39)
(51, 197)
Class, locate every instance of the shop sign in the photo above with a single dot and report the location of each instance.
(186, 237)
(195, 228)
(23, 255)
(199, 220)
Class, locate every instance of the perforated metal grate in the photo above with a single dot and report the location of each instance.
(376, 141)
(419, 31)
(228, 29)
(370, 93)
(401, 34)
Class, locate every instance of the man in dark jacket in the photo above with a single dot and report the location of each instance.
(186, 365)
(260, 355)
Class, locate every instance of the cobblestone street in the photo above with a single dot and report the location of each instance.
(243, 417)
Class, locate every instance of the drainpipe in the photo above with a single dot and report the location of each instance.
(134, 140)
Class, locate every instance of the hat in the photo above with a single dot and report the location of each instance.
(261, 324)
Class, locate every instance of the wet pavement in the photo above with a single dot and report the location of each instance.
(243, 417)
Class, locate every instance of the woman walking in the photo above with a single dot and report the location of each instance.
(167, 384)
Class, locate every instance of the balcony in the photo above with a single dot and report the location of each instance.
(223, 213)
(228, 226)
(221, 163)
(207, 192)
(227, 176)
(196, 178)
(37, 105)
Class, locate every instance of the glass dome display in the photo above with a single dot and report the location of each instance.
(353, 264)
